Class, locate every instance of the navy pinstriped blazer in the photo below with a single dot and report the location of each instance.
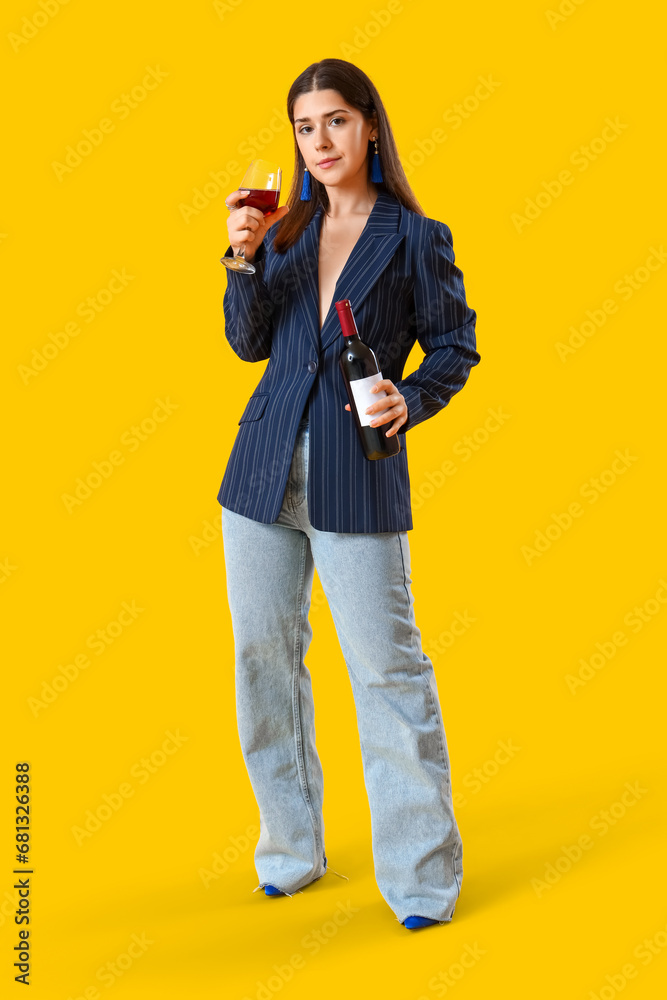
(403, 285)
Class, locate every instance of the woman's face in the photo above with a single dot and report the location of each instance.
(333, 129)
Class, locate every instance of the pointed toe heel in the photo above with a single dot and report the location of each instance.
(413, 922)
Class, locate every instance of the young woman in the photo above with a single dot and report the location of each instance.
(298, 492)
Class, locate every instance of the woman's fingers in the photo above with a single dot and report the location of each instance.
(393, 405)
(248, 230)
(244, 220)
(246, 224)
(393, 400)
(231, 199)
(248, 220)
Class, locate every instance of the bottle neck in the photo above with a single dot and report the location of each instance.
(347, 324)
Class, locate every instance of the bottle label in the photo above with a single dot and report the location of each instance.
(363, 397)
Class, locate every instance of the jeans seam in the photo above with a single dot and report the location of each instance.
(458, 854)
(296, 696)
(440, 727)
(303, 466)
(434, 707)
(295, 477)
(290, 497)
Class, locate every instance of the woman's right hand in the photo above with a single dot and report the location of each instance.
(249, 225)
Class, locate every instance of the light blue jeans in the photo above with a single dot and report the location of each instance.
(417, 848)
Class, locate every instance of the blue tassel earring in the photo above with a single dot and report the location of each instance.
(376, 173)
(305, 187)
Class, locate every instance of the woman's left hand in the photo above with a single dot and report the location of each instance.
(393, 403)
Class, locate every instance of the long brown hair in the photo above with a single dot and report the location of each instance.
(359, 92)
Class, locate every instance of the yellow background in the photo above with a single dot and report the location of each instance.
(66, 575)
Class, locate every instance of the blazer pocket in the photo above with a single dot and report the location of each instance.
(255, 407)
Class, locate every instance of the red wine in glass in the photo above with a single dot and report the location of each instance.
(265, 201)
(262, 179)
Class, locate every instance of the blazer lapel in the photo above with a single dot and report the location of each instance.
(370, 255)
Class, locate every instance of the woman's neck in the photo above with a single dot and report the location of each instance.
(347, 202)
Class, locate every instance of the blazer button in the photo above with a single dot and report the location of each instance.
(312, 366)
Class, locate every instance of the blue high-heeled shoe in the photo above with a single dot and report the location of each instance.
(413, 922)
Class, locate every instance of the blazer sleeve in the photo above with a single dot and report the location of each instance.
(445, 326)
(248, 309)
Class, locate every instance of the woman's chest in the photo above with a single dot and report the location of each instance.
(302, 283)
(336, 244)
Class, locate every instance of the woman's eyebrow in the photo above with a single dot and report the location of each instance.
(325, 115)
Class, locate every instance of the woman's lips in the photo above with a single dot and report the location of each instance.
(328, 163)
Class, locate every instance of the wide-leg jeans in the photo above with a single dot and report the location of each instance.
(416, 843)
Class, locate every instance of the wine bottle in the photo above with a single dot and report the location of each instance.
(360, 371)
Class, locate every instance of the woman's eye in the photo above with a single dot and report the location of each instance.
(301, 130)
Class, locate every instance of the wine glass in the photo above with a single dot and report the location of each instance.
(262, 180)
